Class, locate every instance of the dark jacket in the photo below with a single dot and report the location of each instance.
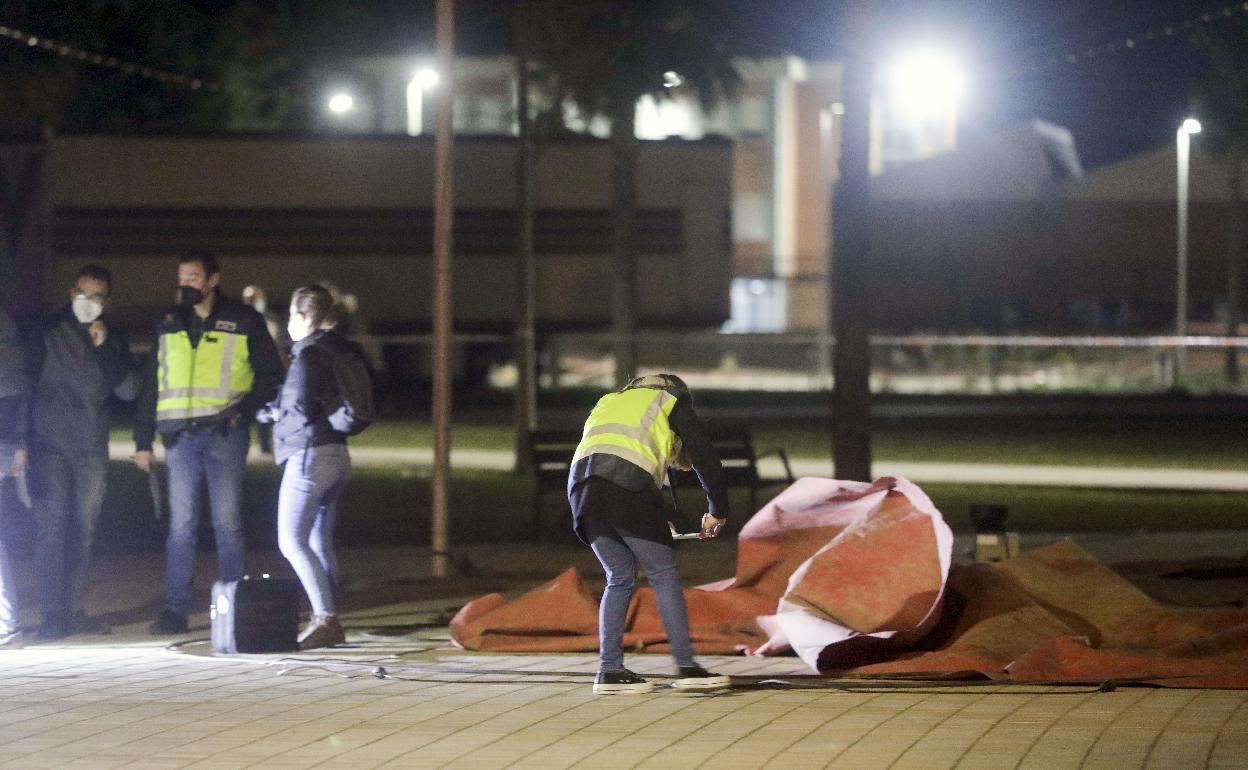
(73, 382)
(642, 518)
(309, 394)
(14, 387)
(262, 353)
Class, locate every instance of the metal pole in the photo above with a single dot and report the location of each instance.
(443, 220)
(526, 351)
(1183, 148)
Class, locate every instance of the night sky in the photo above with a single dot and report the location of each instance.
(1116, 104)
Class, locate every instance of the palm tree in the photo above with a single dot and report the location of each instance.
(602, 57)
(1222, 95)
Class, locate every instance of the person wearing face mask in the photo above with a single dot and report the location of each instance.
(213, 367)
(79, 361)
(308, 442)
(14, 405)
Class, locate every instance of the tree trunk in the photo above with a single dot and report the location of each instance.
(1234, 252)
(526, 322)
(624, 262)
(851, 356)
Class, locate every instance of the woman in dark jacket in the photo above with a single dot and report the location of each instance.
(317, 465)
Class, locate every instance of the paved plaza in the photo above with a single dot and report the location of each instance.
(400, 695)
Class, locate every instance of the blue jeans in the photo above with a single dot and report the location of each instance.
(219, 457)
(65, 489)
(307, 506)
(619, 556)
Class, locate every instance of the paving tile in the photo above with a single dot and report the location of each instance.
(132, 704)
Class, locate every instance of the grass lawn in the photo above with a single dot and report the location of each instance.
(391, 505)
(1140, 443)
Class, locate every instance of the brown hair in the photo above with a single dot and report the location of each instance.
(315, 303)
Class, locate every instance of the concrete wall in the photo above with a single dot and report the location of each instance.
(357, 211)
(1062, 265)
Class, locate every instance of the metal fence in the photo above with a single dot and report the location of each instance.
(925, 363)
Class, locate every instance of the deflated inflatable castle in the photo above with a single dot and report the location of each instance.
(857, 579)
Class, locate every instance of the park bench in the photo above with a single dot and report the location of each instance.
(550, 458)
(734, 443)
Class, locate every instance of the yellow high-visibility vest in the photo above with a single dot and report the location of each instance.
(632, 425)
(203, 380)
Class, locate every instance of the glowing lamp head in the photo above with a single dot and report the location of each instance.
(925, 82)
(425, 78)
(1191, 126)
(341, 103)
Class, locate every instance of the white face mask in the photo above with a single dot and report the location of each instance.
(296, 328)
(87, 309)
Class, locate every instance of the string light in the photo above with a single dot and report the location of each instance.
(111, 62)
(1131, 42)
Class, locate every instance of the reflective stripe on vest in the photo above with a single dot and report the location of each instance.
(632, 425)
(204, 380)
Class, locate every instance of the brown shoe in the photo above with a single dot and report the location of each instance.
(322, 631)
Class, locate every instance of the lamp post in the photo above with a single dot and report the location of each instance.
(422, 81)
(1183, 145)
(443, 220)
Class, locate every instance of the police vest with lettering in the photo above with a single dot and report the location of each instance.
(205, 379)
(632, 425)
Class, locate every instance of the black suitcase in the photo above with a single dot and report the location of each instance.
(255, 615)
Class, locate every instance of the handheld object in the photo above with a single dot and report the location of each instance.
(710, 528)
(153, 488)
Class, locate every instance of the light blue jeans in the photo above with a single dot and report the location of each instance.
(619, 556)
(218, 457)
(307, 507)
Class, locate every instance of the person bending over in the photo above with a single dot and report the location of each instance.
(615, 487)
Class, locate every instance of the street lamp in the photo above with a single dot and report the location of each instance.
(921, 94)
(341, 103)
(925, 83)
(1183, 145)
(423, 80)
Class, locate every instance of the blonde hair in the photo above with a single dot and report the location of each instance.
(315, 303)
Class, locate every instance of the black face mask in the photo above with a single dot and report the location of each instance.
(189, 296)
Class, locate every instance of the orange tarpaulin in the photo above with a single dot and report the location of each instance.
(856, 578)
